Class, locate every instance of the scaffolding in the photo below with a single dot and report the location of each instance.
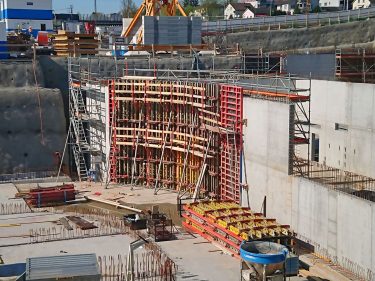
(296, 92)
(355, 65)
(78, 140)
(174, 129)
(263, 63)
(88, 103)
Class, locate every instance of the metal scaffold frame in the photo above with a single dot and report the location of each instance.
(297, 93)
(263, 63)
(88, 113)
(78, 118)
(355, 65)
(176, 130)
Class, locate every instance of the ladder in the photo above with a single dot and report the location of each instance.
(234, 161)
(78, 114)
(80, 163)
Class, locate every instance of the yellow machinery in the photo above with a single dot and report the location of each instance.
(153, 8)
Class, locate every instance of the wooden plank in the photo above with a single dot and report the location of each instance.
(165, 132)
(196, 153)
(161, 100)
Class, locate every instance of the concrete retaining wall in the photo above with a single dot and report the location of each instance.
(337, 224)
(22, 147)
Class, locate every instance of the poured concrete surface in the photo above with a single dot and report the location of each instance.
(199, 261)
(139, 195)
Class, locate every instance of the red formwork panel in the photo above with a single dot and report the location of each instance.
(231, 117)
(112, 123)
(231, 107)
(41, 197)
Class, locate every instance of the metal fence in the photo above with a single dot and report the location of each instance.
(286, 21)
(31, 175)
(115, 18)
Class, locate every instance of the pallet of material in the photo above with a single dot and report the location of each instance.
(73, 44)
(77, 53)
(229, 224)
(64, 46)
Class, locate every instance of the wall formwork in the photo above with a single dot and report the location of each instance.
(177, 135)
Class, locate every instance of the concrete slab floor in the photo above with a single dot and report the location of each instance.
(16, 229)
(102, 246)
(139, 195)
(198, 260)
(7, 194)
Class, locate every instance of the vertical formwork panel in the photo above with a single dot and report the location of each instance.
(112, 129)
(231, 116)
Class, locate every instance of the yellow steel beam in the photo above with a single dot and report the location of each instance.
(134, 20)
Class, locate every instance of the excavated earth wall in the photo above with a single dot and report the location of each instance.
(319, 39)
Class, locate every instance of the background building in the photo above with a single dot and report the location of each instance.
(21, 14)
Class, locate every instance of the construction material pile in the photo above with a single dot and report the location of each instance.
(229, 224)
(74, 44)
(42, 197)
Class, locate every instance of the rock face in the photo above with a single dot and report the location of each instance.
(32, 122)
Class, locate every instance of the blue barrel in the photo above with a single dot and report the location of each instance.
(262, 252)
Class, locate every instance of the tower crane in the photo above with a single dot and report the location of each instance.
(152, 8)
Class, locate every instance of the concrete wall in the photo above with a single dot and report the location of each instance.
(25, 144)
(337, 224)
(3, 41)
(266, 146)
(22, 147)
(98, 108)
(351, 106)
(341, 224)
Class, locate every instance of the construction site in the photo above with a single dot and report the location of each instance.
(181, 153)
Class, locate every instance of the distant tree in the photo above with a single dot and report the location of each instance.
(192, 3)
(297, 10)
(213, 8)
(189, 9)
(317, 9)
(128, 8)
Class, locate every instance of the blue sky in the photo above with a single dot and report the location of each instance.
(87, 6)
